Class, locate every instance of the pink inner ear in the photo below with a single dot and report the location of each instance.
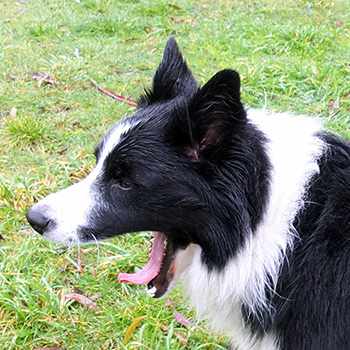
(213, 137)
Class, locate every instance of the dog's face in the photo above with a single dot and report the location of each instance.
(154, 171)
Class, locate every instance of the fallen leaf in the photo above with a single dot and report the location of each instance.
(1, 235)
(182, 338)
(83, 300)
(180, 317)
(178, 335)
(338, 23)
(132, 328)
(174, 7)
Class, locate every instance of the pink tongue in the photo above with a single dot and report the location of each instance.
(150, 271)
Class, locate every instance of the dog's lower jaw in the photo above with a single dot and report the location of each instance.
(181, 261)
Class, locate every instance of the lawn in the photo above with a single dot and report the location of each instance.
(292, 56)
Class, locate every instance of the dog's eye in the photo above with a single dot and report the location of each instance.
(125, 184)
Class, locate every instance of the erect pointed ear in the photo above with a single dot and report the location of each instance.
(172, 78)
(216, 114)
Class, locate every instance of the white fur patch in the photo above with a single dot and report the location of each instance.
(215, 296)
(70, 208)
(293, 151)
(113, 138)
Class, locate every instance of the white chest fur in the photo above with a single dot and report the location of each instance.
(293, 151)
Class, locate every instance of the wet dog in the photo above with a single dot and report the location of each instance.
(250, 209)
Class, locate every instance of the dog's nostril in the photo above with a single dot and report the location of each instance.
(38, 220)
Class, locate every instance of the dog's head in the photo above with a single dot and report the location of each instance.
(155, 171)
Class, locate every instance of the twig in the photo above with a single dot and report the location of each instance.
(42, 79)
(112, 94)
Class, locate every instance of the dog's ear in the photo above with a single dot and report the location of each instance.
(173, 78)
(215, 115)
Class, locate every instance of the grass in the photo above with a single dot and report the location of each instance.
(292, 57)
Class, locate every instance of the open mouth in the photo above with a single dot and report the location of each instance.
(159, 270)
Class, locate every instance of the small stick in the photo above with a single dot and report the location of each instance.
(112, 94)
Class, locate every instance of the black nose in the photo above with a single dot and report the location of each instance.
(38, 220)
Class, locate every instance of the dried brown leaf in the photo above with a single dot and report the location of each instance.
(339, 23)
(174, 7)
(178, 335)
(83, 300)
(132, 328)
(182, 338)
(180, 317)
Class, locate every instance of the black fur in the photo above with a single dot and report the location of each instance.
(314, 286)
(311, 306)
(196, 169)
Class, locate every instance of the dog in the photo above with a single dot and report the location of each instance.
(250, 209)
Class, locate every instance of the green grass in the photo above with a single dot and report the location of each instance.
(292, 56)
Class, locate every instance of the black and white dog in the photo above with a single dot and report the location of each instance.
(250, 209)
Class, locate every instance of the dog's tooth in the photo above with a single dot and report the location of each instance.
(152, 291)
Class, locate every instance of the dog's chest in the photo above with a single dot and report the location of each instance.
(216, 298)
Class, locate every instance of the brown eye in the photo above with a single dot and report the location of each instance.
(125, 184)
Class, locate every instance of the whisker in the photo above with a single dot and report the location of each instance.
(98, 245)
